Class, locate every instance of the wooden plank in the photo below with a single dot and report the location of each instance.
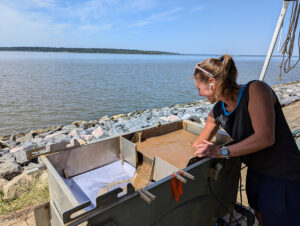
(161, 130)
(193, 127)
(128, 150)
(162, 169)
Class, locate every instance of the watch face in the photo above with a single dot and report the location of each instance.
(224, 151)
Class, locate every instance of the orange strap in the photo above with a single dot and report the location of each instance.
(176, 186)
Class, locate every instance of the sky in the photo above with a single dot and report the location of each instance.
(182, 26)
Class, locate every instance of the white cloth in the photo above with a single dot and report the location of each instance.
(86, 186)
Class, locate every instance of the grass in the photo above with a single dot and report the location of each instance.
(34, 195)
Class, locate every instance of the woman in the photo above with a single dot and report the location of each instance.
(251, 114)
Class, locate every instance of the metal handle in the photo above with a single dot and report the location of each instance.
(183, 180)
(188, 175)
(144, 197)
(153, 197)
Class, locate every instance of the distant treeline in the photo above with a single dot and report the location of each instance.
(82, 50)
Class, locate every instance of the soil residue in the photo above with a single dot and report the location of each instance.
(175, 147)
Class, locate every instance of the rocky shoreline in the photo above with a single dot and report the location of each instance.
(17, 150)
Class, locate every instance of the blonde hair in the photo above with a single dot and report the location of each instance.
(224, 72)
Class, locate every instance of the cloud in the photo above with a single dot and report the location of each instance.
(197, 9)
(47, 4)
(165, 16)
(43, 22)
(30, 28)
(91, 28)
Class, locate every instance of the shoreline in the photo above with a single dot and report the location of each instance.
(15, 169)
(94, 130)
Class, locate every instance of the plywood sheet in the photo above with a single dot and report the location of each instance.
(174, 147)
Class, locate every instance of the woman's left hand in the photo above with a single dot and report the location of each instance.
(208, 149)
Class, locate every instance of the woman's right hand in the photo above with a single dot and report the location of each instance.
(196, 143)
(209, 131)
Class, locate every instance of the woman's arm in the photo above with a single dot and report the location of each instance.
(209, 131)
(261, 111)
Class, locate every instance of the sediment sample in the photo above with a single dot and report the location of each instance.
(142, 175)
(108, 187)
(175, 147)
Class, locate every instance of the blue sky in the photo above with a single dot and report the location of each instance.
(190, 26)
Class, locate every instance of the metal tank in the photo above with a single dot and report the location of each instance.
(93, 184)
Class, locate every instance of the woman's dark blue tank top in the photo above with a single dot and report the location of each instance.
(281, 160)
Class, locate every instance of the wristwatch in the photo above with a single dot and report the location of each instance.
(225, 152)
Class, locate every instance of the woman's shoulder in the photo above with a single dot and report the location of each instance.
(260, 89)
(257, 84)
(217, 109)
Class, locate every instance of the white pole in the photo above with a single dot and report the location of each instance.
(274, 40)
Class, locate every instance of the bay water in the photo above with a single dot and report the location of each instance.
(40, 89)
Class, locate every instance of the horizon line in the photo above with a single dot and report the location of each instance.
(113, 51)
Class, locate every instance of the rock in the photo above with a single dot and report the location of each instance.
(87, 137)
(40, 142)
(98, 132)
(170, 118)
(33, 166)
(103, 118)
(80, 141)
(55, 128)
(76, 133)
(131, 113)
(11, 143)
(9, 170)
(146, 125)
(7, 158)
(14, 187)
(78, 123)
(285, 96)
(43, 135)
(89, 124)
(287, 101)
(36, 132)
(106, 125)
(21, 156)
(116, 117)
(57, 146)
(3, 145)
(186, 116)
(58, 135)
(174, 111)
(94, 122)
(5, 137)
(68, 128)
(29, 136)
(2, 183)
(73, 144)
(195, 119)
(76, 143)
(18, 135)
(43, 180)
(4, 151)
(20, 152)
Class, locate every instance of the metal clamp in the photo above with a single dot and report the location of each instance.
(146, 195)
(186, 174)
(178, 177)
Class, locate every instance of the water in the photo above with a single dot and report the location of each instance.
(42, 89)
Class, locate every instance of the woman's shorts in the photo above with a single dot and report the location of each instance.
(277, 200)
